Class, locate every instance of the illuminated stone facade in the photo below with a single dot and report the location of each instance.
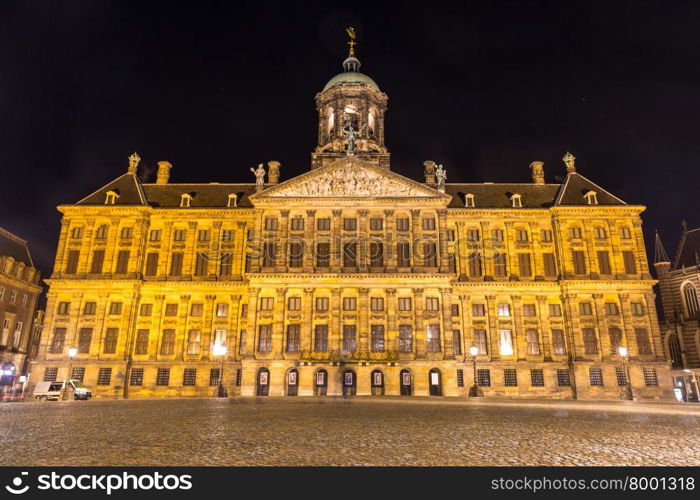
(352, 278)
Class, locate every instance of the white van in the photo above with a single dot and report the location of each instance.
(53, 391)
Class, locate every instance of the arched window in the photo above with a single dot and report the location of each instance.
(101, 233)
(330, 122)
(674, 351)
(690, 300)
(469, 200)
(377, 383)
(371, 127)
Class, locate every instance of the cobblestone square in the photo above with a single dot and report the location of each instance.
(361, 431)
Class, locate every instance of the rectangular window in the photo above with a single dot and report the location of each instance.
(472, 235)
(429, 254)
(555, 309)
(50, 374)
(63, 308)
(429, 224)
(643, 345)
(321, 304)
(13, 296)
(500, 265)
(141, 342)
(179, 235)
(201, 265)
(575, 233)
(152, 264)
(115, 308)
(98, 260)
(171, 309)
(72, 266)
(296, 254)
(194, 341)
(600, 233)
(457, 342)
(293, 338)
(521, 236)
(558, 342)
(269, 254)
(650, 379)
(590, 346)
(595, 376)
(111, 337)
(550, 265)
(146, 309)
(176, 264)
(323, 224)
(506, 342)
(432, 304)
(637, 308)
(503, 310)
(621, 376)
(220, 337)
(460, 378)
(203, 235)
(563, 379)
(78, 374)
(77, 232)
(625, 233)
(510, 377)
(497, 235)
(604, 262)
(294, 304)
(350, 254)
(377, 338)
(483, 378)
(402, 224)
(537, 377)
(350, 224)
(349, 304)
(155, 235)
(197, 309)
(84, 339)
(90, 308)
(214, 377)
(403, 254)
(524, 264)
(349, 338)
(376, 224)
(478, 310)
(615, 339)
(104, 376)
(127, 232)
(298, 224)
(189, 377)
(377, 304)
(376, 254)
(532, 340)
(432, 338)
(585, 309)
(225, 264)
(611, 309)
(241, 342)
(221, 310)
(529, 310)
(405, 338)
(321, 338)
(546, 235)
(270, 223)
(265, 338)
(59, 337)
(579, 262)
(123, 262)
(266, 303)
(481, 342)
(323, 255)
(474, 265)
(628, 259)
(454, 310)
(163, 377)
(167, 346)
(136, 377)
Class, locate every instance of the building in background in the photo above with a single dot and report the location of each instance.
(353, 279)
(679, 283)
(19, 293)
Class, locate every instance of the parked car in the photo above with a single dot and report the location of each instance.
(53, 391)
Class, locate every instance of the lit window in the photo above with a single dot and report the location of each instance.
(504, 310)
(232, 200)
(506, 342)
(469, 200)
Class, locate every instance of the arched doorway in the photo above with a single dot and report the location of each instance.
(321, 383)
(349, 383)
(293, 382)
(377, 383)
(435, 382)
(263, 382)
(406, 382)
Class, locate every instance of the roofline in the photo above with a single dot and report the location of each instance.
(566, 183)
(139, 188)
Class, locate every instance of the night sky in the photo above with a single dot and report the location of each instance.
(218, 87)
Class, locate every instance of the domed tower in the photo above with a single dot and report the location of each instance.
(351, 116)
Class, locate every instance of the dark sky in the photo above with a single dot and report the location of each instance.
(217, 87)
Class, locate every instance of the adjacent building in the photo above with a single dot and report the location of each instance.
(679, 282)
(19, 293)
(353, 279)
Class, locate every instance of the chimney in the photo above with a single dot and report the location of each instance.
(163, 172)
(537, 168)
(273, 172)
(429, 171)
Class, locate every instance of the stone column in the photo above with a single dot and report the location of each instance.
(467, 330)
(60, 264)
(655, 336)
(182, 330)
(640, 253)
(232, 340)
(389, 250)
(309, 246)
(545, 327)
(419, 329)
(444, 260)
(519, 345)
(307, 320)
(448, 335)
(363, 324)
(492, 331)
(281, 250)
(510, 246)
(363, 234)
(238, 262)
(257, 242)
(416, 233)
(627, 324)
(487, 263)
(602, 323)
(335, 320)
(392, 333)
(336, 241)
(251, 324)
(278, 322)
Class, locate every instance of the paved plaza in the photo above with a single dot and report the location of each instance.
(361, 431)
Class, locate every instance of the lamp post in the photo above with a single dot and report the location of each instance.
(221, 350)
(475, 390)
(72, 353)
(624, 356)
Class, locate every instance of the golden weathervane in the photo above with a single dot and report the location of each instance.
(351, 33)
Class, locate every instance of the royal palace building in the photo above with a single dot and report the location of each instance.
(353, 279)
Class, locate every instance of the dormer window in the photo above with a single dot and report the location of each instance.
(591, 198)
(185, 200)
(469, 200)
(516, 201)
(232, 200)
(111, 198)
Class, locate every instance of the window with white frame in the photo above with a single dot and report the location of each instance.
(504, 310)
(505, 342)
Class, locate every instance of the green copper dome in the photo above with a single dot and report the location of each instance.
(351, 75)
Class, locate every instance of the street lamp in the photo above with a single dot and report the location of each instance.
(475, 390)
(220, 350)
(624, 356)
(72, 353)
